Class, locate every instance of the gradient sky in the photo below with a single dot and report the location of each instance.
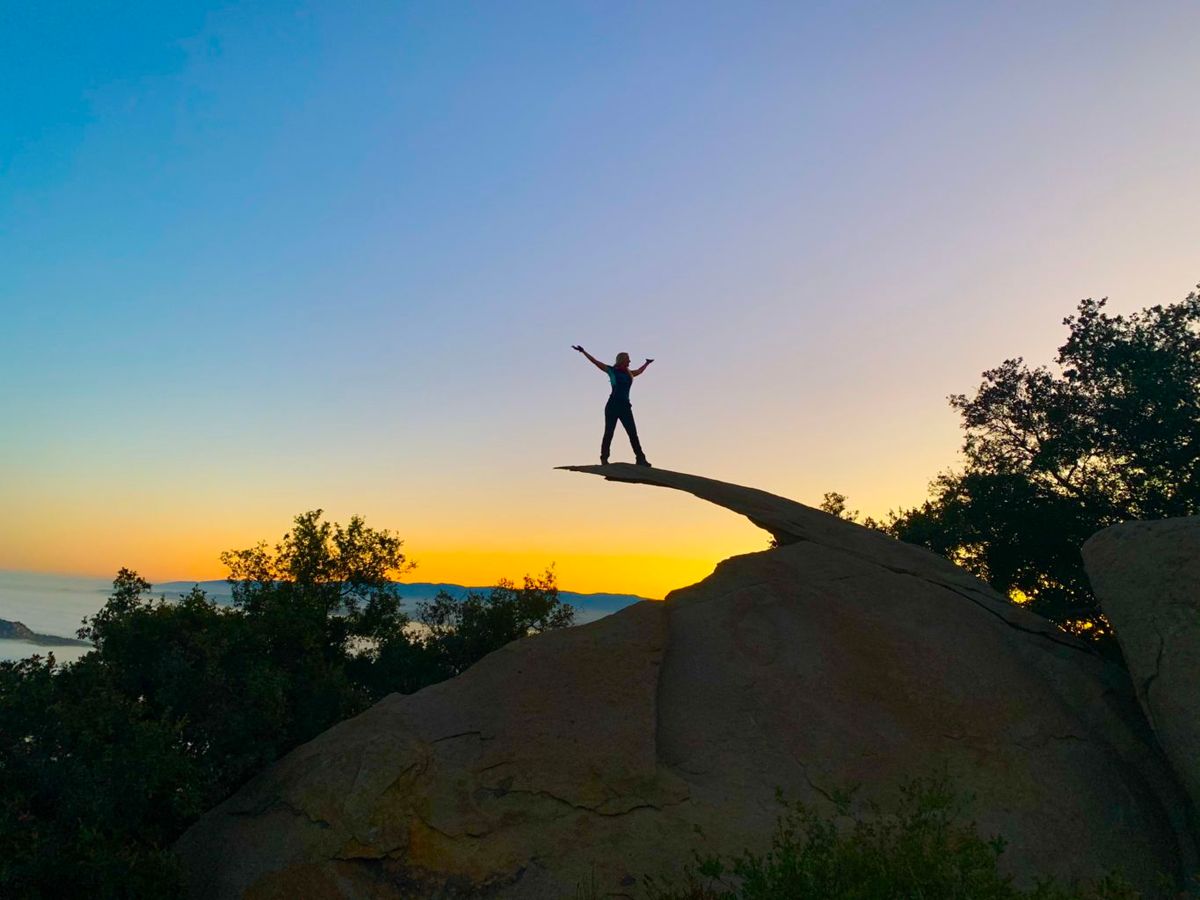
(261, 258)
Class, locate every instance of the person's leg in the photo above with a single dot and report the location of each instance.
(610, 425)
(626, 416)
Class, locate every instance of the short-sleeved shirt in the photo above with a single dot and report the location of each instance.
(621, 380)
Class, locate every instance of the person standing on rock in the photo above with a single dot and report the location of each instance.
(618, 407)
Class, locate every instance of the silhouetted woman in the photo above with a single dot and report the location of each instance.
(620, 376)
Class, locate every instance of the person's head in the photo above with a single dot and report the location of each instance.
(622, 360)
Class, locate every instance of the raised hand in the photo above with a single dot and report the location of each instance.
(577, 347)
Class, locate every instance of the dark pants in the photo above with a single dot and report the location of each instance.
(623, 411)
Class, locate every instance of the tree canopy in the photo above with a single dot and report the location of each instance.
(1110, 432)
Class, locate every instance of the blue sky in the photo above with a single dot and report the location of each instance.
(258, 258)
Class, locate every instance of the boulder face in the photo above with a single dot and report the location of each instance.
(580, 761)
(1147, 578)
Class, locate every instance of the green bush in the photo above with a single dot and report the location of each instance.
(924, 849)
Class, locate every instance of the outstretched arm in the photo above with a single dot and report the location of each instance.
(640, 369)
(595, 362)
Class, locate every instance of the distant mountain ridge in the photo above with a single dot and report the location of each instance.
(19, 631)
(589, 607)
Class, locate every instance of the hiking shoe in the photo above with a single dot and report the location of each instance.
(604, 460)
(644, 462)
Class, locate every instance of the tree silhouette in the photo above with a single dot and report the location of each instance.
(1111, 433)
(103, 763)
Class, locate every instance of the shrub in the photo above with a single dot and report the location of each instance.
(923, 849)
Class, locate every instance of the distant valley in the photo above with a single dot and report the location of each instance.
(588, 607)
(37, 610)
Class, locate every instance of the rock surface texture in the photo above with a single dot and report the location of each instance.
(584, 759)
(1147, 577)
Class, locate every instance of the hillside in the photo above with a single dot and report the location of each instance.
(612, 751)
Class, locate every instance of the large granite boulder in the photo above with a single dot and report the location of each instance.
(587, 758)
(1147, 578)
